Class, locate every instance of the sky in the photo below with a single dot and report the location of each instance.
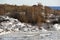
(31, 2)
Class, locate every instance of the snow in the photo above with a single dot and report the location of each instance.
(1, 30)
(50, 15)
(48, 21)
(43, 29)
(14, 24)
(51, 35)
(13, 29)
(56, 26)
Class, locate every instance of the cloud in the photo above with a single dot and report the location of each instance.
(31, 2)
(51, 2)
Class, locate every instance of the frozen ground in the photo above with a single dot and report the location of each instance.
(12, 29)
(51, 35)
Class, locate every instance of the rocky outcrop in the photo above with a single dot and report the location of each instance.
(35, 14)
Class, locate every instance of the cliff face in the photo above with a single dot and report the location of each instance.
(29, 14)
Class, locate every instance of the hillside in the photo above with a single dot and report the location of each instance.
(35, 14)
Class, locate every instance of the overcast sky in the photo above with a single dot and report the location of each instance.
(31, 2)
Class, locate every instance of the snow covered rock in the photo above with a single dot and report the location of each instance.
(15, 25)
(56, 26)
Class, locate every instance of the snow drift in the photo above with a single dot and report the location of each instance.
(11, 24)
(12, 29)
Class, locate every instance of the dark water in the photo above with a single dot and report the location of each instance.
(55, 7)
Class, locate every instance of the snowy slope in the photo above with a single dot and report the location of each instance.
(15, 25)
(12, 29)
